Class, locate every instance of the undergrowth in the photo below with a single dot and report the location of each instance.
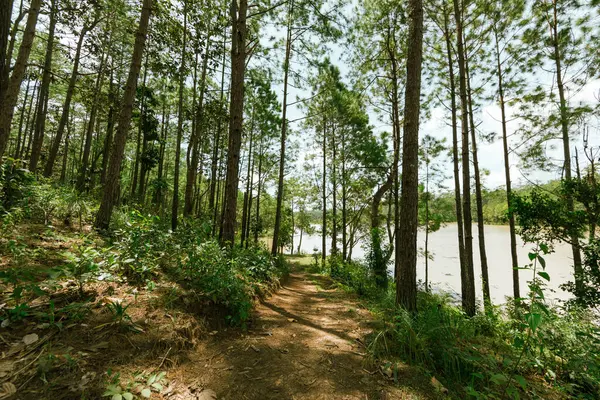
(514, 352)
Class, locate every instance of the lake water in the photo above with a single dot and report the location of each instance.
(444, 269)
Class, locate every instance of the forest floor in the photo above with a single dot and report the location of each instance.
(304, 341)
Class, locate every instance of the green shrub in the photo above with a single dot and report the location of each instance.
(139, 245)
(213, 274)
(16, 185)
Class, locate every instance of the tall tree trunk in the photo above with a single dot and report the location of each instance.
(141, 187)
(511, 217)
(83, 173)
(110, 126)
(334, 226)
(175, 205)
(324, 223)
(379, 263)
(22, 120)
(406, 291)
(468, 275)
(9, 101)
(248, 192)
(64, 118)
(195, 140)
(427, 227)
(63, 170)
(5, 16)
(564, 125)
(111, 186)
(140, 134)
(236, 112)
(42, 106)
(485, 282)
(284, 123)
(258, 189)
(251, 188)
(344, 199)
(455, 157)
(216, 144)
(391, 47)
(29, 123)
(158, 196)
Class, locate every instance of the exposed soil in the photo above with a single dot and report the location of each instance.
(305, 342)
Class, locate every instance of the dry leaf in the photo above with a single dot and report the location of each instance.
(256, 349)
(8, 389)
(438, 385)
(291, 320)
(30, 339)
(207, 394)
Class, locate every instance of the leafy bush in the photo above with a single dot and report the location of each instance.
(83, 265)
(139, 245)
(230, 278)
(216, 276)
(16, 185)
(498, 354)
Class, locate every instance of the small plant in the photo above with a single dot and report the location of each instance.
(83, 265)
(118, 310)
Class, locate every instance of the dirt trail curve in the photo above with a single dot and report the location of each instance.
(302, 344)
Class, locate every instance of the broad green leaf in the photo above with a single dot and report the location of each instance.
(532, 256)
(499, 379)
(521, 381)
(127, 396)
(542, 261)
(544, 275)
(534, 320)
(146, 393)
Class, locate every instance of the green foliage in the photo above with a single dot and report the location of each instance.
(139, 243)
(496, 354)
(16, 184)
(118, 311)
(230, 279)
(84, 265)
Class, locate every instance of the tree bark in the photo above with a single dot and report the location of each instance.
(5, 17)
(236, 112)
(11, 95)
(406, 291)
(111, 186)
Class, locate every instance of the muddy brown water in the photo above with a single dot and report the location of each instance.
(444, 269)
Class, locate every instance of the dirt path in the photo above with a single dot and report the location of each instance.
(303, 343)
